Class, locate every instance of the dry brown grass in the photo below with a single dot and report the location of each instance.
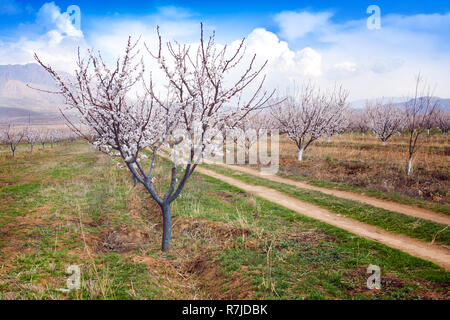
(362, 161)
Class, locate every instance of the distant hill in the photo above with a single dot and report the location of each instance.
(28, 73)
(17, 112)
(443, 103)
(21, 102)
(360, 104)
(19, 99)
(23, 116)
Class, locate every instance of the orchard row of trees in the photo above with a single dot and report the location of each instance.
(414, 117)
(205, 91)
(387, 119)
(308, 113)
(13, 136)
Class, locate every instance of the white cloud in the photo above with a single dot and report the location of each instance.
(387, 65)
(294, 25)
(283, 64)
(310, 61)
(267, 46)
(281, 59)
(346, 66)
(344, 69)
(369, 63)
(110, 34)
(51, 18)
(373, 63)
(56, 46)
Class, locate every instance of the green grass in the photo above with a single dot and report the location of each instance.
(71, 197)
(391, 221)
(391, 196)
(119, 279)
(294, 265)
(70, 180)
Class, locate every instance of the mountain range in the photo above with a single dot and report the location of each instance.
(22, 99)
(399, 101)
(21, 96)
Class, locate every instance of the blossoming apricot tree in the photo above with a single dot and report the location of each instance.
(199, 100)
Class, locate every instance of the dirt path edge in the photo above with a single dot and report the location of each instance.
(432, 252)
(383, 204)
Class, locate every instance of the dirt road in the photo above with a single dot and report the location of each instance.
(435, 253)
(383, 204)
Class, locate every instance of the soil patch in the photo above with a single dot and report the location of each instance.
(124, 239)
(216, 283)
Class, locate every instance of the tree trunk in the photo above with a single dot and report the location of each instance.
(167, 227)
(329, 138)
(31, 147)
(409, 165)
(384, 143)
(300, 154)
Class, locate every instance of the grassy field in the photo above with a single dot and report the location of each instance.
(391, 221)
(72, 205)
(361, 164)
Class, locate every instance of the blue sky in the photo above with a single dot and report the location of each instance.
(326, 41)
(344, 9)
(255, 12)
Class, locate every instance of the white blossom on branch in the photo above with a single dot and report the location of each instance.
(13, 136)
(384, 119)
(197, 104)
(310, 113)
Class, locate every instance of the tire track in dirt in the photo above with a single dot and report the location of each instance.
(432, 252)
(383, 204)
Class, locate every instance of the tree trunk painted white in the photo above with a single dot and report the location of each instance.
(384, 143)
(300, 155)
(428, 132)
(409, 166)
(329, 138)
